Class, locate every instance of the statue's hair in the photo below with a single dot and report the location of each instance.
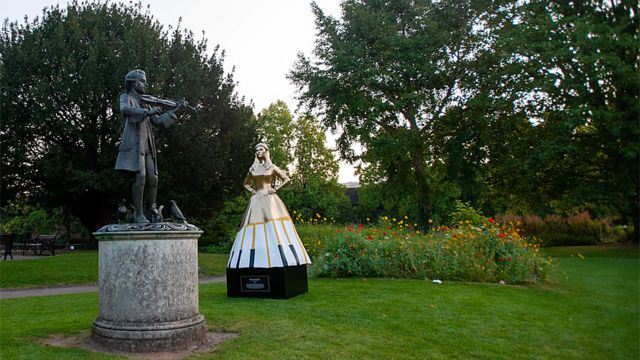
(267, 158)
(131, 77)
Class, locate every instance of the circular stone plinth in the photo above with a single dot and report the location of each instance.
(148, 287)
(150, 337)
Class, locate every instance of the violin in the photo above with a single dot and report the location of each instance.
(166, 104)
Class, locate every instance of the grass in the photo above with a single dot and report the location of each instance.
(611, 250)
(590, 310)
(77, 268)
(212, 264)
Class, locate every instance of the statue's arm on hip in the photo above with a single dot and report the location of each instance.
(282, 176)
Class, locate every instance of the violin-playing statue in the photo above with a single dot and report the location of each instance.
(137, 152)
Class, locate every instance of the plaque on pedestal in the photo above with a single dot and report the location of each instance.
(279, 283)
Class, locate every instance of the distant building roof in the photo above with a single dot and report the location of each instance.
(352, 185)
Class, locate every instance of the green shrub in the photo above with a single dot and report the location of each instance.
(220, 248)
(313, 236)
(220, 231)
(610, 234)
(326, 198)
(34, 220)
(577, 229)
(465, 212)
(347, 256)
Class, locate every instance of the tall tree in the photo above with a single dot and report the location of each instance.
(387, 73)
(314, 161)
(275, 127)
(314, 188)
(575, 68)
(60, 78)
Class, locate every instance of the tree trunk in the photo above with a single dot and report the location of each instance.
(635, 214)
(424, 199)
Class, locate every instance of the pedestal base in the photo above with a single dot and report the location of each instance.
(278, 283)
(149, 337)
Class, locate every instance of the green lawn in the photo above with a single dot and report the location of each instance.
(607, 251)
(589, 310)
(77, 268)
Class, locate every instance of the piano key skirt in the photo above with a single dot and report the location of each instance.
(268, 238)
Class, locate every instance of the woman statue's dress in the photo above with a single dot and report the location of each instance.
(267, 237)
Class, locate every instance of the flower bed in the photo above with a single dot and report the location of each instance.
(480, 250)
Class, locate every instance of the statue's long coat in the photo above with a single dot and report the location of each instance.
(137, 131)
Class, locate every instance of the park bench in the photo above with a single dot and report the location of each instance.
(7, 242)
(48, 243)
(39, 244)
(30, 243)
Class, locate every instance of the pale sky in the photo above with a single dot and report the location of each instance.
(260, 37)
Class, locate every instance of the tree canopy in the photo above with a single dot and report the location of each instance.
(387, 74)
(522, 106)
(575, 69)
(60, 78)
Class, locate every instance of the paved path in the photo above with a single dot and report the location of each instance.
(23, 257)
(63, 290)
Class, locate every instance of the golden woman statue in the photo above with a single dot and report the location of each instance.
(267, 238)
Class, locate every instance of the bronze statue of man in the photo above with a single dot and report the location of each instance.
(137, 152)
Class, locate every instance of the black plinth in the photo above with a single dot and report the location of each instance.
(277, 283)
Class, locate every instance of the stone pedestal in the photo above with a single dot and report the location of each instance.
(148, 287)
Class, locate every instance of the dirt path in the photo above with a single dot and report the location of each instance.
(76, 289)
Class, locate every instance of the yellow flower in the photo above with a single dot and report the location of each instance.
(430, 221)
